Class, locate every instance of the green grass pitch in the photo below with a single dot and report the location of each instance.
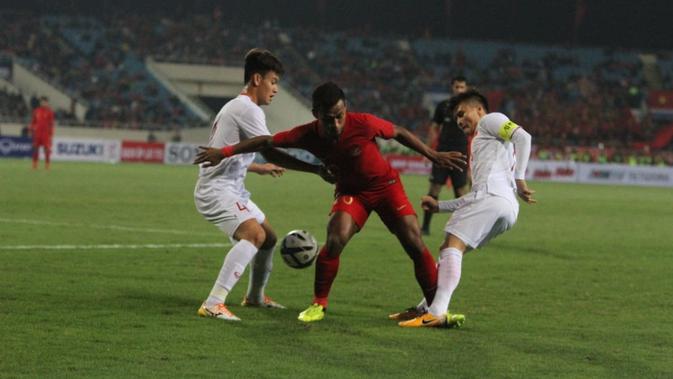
(581, 287)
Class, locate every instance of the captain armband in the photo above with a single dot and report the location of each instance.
(506, 130)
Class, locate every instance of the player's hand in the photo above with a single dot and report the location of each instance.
(211, 156)
(451, 159)
(525, 193)
(326, 174)
(270, 169)
(429, 204)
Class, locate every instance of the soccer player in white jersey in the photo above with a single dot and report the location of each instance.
(220, 194)
(500, 152)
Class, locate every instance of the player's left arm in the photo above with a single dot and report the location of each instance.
(212, 156)
(522, 146)
(430, 204)
(500, 126)
(452, 159)
(266, 169)
(503, 128)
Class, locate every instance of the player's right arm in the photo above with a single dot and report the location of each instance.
(430, 204)
(284, 159)
(295, 138)
(452, 159)
(500, 126)
(212, 156)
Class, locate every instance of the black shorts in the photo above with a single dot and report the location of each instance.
(439, 175)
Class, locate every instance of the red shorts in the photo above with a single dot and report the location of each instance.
(42, 141)
(390, 203)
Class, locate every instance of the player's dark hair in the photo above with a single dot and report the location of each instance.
(44, 98)
(468, 96)
(261, 61)
(458, 78)
(326, 95)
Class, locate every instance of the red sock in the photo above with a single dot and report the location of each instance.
(47, 154)
(326, 269)
(426, 274)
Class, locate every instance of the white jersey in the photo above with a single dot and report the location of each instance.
(238, 120)
(493, 160)
(491, 207)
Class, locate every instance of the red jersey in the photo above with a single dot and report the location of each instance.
(42, 125)
(354, 157)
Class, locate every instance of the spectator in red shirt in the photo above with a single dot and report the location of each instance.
(42, 130)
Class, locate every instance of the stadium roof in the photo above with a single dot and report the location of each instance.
(613, 23)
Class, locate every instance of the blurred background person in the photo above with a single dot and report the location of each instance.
(449, 137)
(42, 130)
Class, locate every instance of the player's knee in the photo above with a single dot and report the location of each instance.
(251, 231)
(270, 240)
(257, 238)
(336, 242)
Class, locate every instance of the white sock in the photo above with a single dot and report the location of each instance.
(234, 265)
(422, 306)
(448, 276)
(260, 271)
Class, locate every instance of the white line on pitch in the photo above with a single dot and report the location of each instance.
(112, 227)
(117, 246)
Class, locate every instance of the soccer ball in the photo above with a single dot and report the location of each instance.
(299, 249)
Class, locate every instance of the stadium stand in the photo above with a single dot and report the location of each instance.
(88, 60)
(13, 106)
(580, 103)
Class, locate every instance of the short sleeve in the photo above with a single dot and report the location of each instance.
(292, 137)
(253, 123)
(498, 125)
(382, 128)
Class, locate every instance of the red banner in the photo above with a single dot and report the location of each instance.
(660, 100)
(134, 151)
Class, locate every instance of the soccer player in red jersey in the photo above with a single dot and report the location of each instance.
(42, 130)
(346, 143)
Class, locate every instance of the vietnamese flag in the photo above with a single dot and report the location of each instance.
(660, 101)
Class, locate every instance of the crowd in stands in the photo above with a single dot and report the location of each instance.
(566, 97)
(88, 61)
(602, 154)
(12, 106)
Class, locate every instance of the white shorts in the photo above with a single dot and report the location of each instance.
(225, 209)
(478, 222)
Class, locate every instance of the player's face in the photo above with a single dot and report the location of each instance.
(468, 116)
(267, 88)
(458, 87)
(333, 120)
